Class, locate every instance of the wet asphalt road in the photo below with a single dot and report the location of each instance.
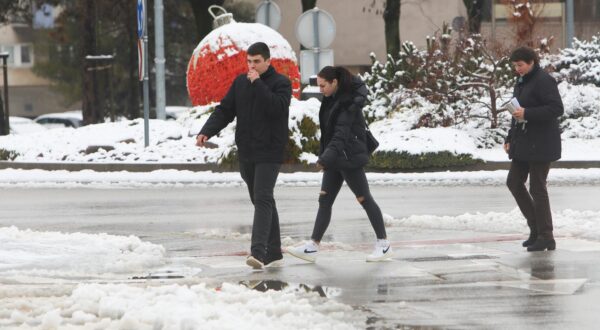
(438, 278)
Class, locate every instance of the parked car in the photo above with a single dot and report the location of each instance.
(174, 111)
(22, 125)
(61, 119)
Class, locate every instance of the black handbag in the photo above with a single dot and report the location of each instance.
(372, 142)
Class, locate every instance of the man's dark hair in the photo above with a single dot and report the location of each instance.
(524, 54)
(259, 48)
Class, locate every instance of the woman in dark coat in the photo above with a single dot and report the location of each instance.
(343, 155)
(533, 142)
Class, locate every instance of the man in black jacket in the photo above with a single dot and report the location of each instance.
(533, 142)
(260, 101)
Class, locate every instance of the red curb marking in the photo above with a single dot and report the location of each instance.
(488, 239)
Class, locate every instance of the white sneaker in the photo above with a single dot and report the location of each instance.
(382, 251)
(307, 251)
(254, 263)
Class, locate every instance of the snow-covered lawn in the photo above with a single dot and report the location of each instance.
(174, 141)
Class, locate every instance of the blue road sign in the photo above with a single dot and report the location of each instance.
(141, 12)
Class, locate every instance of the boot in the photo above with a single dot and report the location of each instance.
(532, 238)
(542, 244)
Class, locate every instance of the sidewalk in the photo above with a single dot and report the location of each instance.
(286, 168)
(447, 280)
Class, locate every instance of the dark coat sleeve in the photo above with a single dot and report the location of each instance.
(275, 103)
(223, 115)
(551, 107)
(341, 133)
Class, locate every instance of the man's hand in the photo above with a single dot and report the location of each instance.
(253, 75)
(519, 114)
(320, 166)
(201, 140)
(506, 147)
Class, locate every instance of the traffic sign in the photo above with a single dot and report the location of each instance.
(315, 28)
(269, 14)
(141, 14)
(312, 61)
(141, 59)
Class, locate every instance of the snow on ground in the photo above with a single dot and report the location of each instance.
(573, 223)
(174, 141)
(72, 255)
(160, 178)
(58, 299)
(126, 306)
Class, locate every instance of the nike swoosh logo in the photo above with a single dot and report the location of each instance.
(386, 250)
(306, 251)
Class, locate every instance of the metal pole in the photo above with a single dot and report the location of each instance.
(316, 38)
(570, 23)
(268, 13)
(146, 91)
(494, 20)
(159, 60)
(6, 112)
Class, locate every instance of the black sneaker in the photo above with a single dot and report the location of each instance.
(274, 261)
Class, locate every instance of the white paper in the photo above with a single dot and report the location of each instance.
(512, 106)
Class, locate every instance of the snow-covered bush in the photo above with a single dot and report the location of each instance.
(581, 63)
(453, 80)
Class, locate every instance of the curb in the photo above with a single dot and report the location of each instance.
(285, 168)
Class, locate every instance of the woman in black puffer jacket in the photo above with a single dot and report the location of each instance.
(343, 155)
(533, 142)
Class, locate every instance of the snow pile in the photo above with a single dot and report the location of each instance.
(580, 64)
(581, 224)
(170, 141)
(582, 111)
(120, 306)
(162, 178)
(27, 252)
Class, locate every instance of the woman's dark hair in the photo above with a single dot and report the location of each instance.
(259, 48)
(343, 76)
(524, 54)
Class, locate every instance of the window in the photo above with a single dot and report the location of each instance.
(19, 55)
(26, 54)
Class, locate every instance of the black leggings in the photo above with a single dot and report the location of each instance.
(330, 187)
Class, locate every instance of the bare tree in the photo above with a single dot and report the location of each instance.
(308, 5)
(203, 18)
(391, 18)
(90, 108)
(475, 12)
(390, 10)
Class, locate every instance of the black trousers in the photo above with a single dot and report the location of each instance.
(534, 204)
(260, 179)
(330, 187)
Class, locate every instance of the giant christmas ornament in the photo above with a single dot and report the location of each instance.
(221, 56)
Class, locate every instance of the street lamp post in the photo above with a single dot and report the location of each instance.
(4, 121)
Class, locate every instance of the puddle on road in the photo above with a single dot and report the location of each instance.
(275, 285)
(449, 258)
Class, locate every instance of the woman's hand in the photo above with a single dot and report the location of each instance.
(506, 147)
(519, 114)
